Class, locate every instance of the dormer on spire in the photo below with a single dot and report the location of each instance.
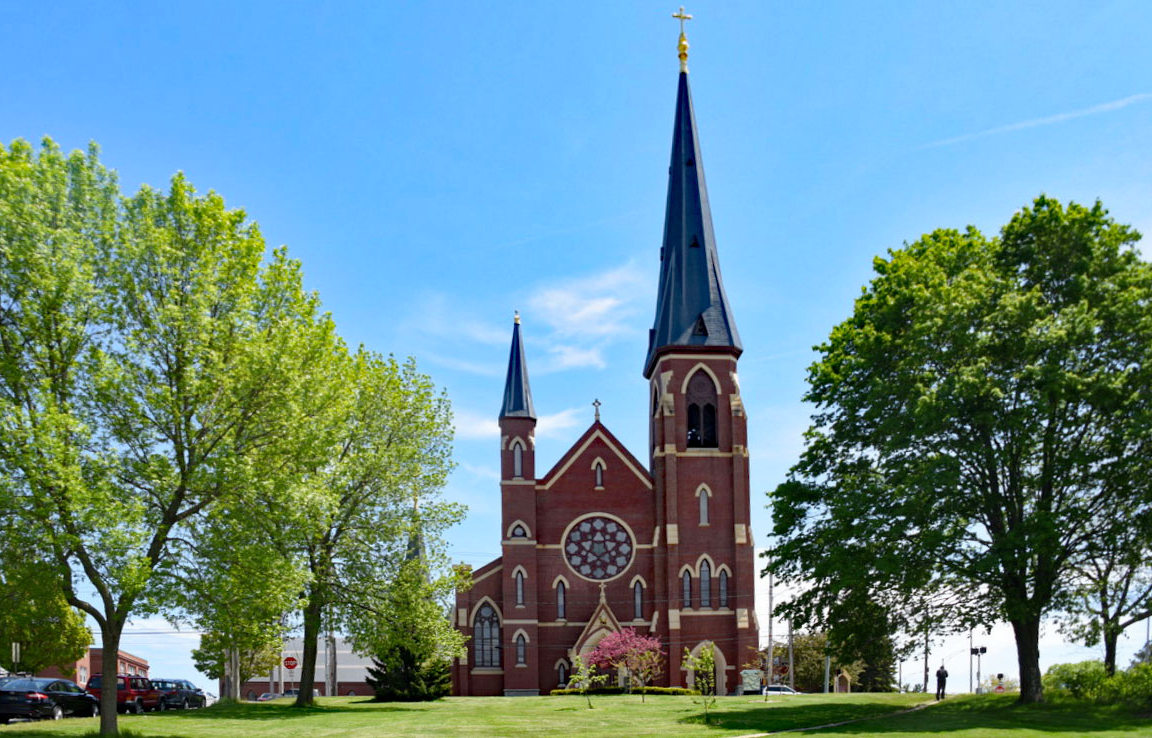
(517, 393)
(691, 306)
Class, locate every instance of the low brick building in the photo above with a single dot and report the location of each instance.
(90, 663)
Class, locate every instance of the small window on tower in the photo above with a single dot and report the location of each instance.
(519, 588)
(519, 532)
(703, 507)
(561, 605)
(517, 460)
(562, 675)
(599, 474)
(521, 650)
(686, 583)
(705, 584)
(637, 601)
(723, 588)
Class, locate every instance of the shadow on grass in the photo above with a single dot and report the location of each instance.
(987, 713)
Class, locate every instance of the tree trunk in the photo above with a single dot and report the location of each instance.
(109, 663)
(312, 622)
(1110, 636)
(1028, 657)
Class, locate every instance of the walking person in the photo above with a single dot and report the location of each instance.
(941, 680)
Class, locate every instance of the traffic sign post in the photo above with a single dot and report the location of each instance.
(290, 663)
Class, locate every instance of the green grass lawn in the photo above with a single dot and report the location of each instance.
(993, 716)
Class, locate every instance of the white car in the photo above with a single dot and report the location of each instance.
(780, 689)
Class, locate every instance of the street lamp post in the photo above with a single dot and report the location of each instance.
(978, 652)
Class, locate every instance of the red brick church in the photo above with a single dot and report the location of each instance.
(602, 540)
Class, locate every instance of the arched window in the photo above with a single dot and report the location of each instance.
(701, 398)
(560, 601)
(521, 649)
(519, 532)
(562, 675)
(519, 588)
(517, 459)
(687, 586)
(637, 601)
(723, 588)
(705, 584)
(703, 507)
(599, 471)
(486, 637)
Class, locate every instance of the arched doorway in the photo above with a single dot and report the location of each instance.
(721, 669)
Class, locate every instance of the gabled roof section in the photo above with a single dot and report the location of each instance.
(691, 306)
(602, 619)
(595, 431)
(517, 393)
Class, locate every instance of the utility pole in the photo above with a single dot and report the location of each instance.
(791, 664)
(970, 652)
(925, 661)
(827, 671)
(330, 662)
(771, 643)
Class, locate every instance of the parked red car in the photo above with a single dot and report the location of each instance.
(133, 693)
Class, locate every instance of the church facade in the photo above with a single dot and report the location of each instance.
(602, 540)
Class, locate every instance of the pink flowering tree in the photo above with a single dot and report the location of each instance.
(642, 657)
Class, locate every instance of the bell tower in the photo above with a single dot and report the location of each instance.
(519, 637)
(705, 572)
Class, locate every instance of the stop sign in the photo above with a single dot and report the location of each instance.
(290, 662)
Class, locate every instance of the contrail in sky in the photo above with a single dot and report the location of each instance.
(1036, 122)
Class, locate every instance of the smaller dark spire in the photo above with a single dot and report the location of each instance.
(517, 393)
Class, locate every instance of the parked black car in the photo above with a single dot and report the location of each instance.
(45, 699)
(179, 693)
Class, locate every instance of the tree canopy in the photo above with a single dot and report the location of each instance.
(981, 426)
(163, 376)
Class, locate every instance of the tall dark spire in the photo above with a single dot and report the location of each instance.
(517, 393)
(691, 307)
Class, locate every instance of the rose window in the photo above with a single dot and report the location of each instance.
(598, 548)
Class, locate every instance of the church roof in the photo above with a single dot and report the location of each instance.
(517, 393)
(691, 307)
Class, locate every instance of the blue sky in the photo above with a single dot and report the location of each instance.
(437, 165)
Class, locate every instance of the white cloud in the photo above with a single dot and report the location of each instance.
(473, 426)
(563, 357)
(481, 471)
(1046, 121)
(551, 426)
(593, 307)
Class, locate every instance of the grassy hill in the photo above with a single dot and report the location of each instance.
(967, 717)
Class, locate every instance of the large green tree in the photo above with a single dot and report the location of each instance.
(981, 424)
(376, 496)
(149, 359)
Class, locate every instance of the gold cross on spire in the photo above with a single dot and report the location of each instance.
(682, 45)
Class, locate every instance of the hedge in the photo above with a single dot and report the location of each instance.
(622, 690)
